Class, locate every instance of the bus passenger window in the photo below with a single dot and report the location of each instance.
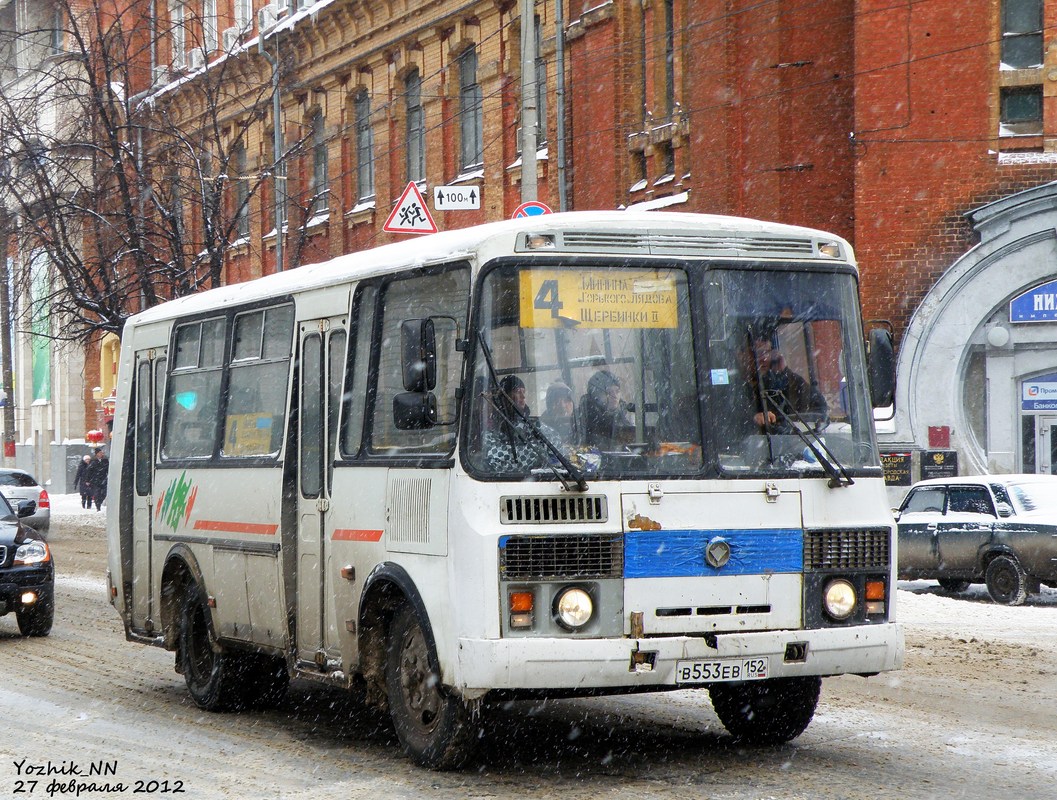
(257, 386)
(193, 392)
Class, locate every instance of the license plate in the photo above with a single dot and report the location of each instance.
(731, 669)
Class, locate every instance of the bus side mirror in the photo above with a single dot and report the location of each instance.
(418, 342)
(881, 368)
(415, 411)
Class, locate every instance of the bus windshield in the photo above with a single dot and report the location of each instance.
(598, 361)
(787, 374)
(600, 368)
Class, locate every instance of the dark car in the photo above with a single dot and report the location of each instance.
(1000, 530)
(27, 574)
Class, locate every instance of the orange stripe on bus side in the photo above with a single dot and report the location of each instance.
(235, 527)
(349, 535)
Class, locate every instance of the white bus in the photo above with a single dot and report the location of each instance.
(576, 454)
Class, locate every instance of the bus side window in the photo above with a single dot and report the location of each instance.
(444, 294)
(257, 388)
(193, 397)
(363, 309)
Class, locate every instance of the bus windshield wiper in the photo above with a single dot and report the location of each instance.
(579, 482)
(838, 475)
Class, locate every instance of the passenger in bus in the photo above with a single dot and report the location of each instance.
(604, 413)
(559, 414)
(509, 443)
(783, 391)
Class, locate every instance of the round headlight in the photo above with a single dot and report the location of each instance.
(839, 599)
(574, 608)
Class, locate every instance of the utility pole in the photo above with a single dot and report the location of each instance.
(528, 101)
(559, 112)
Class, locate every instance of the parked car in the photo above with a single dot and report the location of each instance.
(20, 489)
(1000, 530)
(27, 573)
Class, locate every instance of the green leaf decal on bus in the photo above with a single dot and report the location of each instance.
(176, 502)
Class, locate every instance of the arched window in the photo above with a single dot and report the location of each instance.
(471, 114)
(318, 189)
(361, 106)
(416, 127)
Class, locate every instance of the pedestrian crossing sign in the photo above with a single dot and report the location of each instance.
(410, 214)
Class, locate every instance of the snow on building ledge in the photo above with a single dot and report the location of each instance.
(660, 202)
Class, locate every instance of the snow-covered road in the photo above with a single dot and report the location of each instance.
(970, 716)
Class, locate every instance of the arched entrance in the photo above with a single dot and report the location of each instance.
(966, 360)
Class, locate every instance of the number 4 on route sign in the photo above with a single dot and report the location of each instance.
(410, 214)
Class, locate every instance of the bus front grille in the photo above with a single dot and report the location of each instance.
(847, 549)
(538, 558)
(548, 510)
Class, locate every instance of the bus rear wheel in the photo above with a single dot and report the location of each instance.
(434, 727)
(766, 712)
(212, 675)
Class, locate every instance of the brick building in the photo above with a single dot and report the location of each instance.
(925, 133)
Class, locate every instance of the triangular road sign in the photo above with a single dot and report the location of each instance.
(410, 214)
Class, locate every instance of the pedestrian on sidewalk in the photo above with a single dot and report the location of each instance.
(81, 484)
(97, 477)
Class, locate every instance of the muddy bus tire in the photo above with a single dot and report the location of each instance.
(766, 712)
(212, 675)
(434, 727)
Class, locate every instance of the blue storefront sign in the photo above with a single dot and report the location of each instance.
(1039, 394)
(1035, 305)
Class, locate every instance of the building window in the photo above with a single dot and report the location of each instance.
(1022, 33)
(665, 160)
(242, 192)
(471, 114)
(318, 186)
(361, 106)
(243, 14)
(1021, 109)
(209, 25)
(669, 56)
(179, 34)
(416, 127)
(58, 25)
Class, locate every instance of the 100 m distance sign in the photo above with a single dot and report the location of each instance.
(597, 299)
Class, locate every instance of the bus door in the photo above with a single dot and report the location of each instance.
(322, 344)
(149, 394)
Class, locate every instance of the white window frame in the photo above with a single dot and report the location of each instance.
(210, 26)
(243, 14)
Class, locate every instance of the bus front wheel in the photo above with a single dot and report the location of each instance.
(434, 727)
(769, 711)
(212, 675)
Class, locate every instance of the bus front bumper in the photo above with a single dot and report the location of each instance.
(586, 664)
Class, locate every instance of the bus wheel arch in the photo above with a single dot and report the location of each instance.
(181, 571)
(388, 587)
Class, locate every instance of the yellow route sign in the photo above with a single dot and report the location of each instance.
(605, 298)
